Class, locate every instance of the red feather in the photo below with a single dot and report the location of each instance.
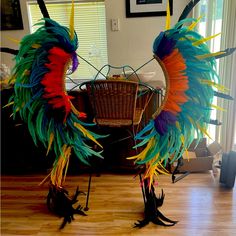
(53, 81)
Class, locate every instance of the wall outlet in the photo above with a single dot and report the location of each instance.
(115, 24)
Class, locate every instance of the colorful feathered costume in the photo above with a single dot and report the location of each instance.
(43, 103)
(191, 83)
(41, 99)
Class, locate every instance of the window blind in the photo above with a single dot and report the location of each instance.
(90, 26)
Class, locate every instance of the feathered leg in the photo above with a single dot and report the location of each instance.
(152, 214)
(59, 203)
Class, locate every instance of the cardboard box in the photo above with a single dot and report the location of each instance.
(201, 157)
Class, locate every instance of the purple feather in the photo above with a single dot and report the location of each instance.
(163, 46)
(163, 120)
(75, 61)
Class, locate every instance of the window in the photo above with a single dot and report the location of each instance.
(211, 24)
(90, 26)
(218, 17)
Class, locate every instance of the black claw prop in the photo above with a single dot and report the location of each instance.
(152, 214)
(59, 202)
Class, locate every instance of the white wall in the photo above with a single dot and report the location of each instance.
(131, 45)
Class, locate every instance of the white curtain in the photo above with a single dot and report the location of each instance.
(226, 133)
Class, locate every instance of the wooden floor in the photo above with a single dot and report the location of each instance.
(201, 206)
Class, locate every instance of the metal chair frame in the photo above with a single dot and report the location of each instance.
(114, 104)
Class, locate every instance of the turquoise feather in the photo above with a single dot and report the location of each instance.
(28, 93)
(195, 112)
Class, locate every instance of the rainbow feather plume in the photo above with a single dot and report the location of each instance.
(191, 81)
(42, 101)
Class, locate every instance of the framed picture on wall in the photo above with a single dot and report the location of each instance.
(11, 18)
(143, 8)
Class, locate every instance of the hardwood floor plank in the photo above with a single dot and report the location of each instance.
(198, 202)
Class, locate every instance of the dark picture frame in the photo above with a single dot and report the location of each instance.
(145, 8)
(11, 17)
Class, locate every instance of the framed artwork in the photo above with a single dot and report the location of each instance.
(143, 8)
(11, 18)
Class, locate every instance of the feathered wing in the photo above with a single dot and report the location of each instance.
(191, 83)
(41, 99)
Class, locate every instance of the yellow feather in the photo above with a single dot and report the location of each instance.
(58, 174)
(74, 110)
(218, 108)
(162, 171)
(205, 39)
(193, 25)
(17, 109)
(26, 72)
(182, 138)
(45, 179)
(177, 125)
(150, 182)
(142, 154)
(12, 79)
(9, 104)
(211, 83)
(36, 45)
(152, 170)
(190, 119)
(200, 57)
(68, 153)
(168, 16)
(72, 21)
(160, 164)
(204, 131)
(56, 170)
(51, 138)
(13, 40)
(187, 154)
(185, 149)
(86, 133)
